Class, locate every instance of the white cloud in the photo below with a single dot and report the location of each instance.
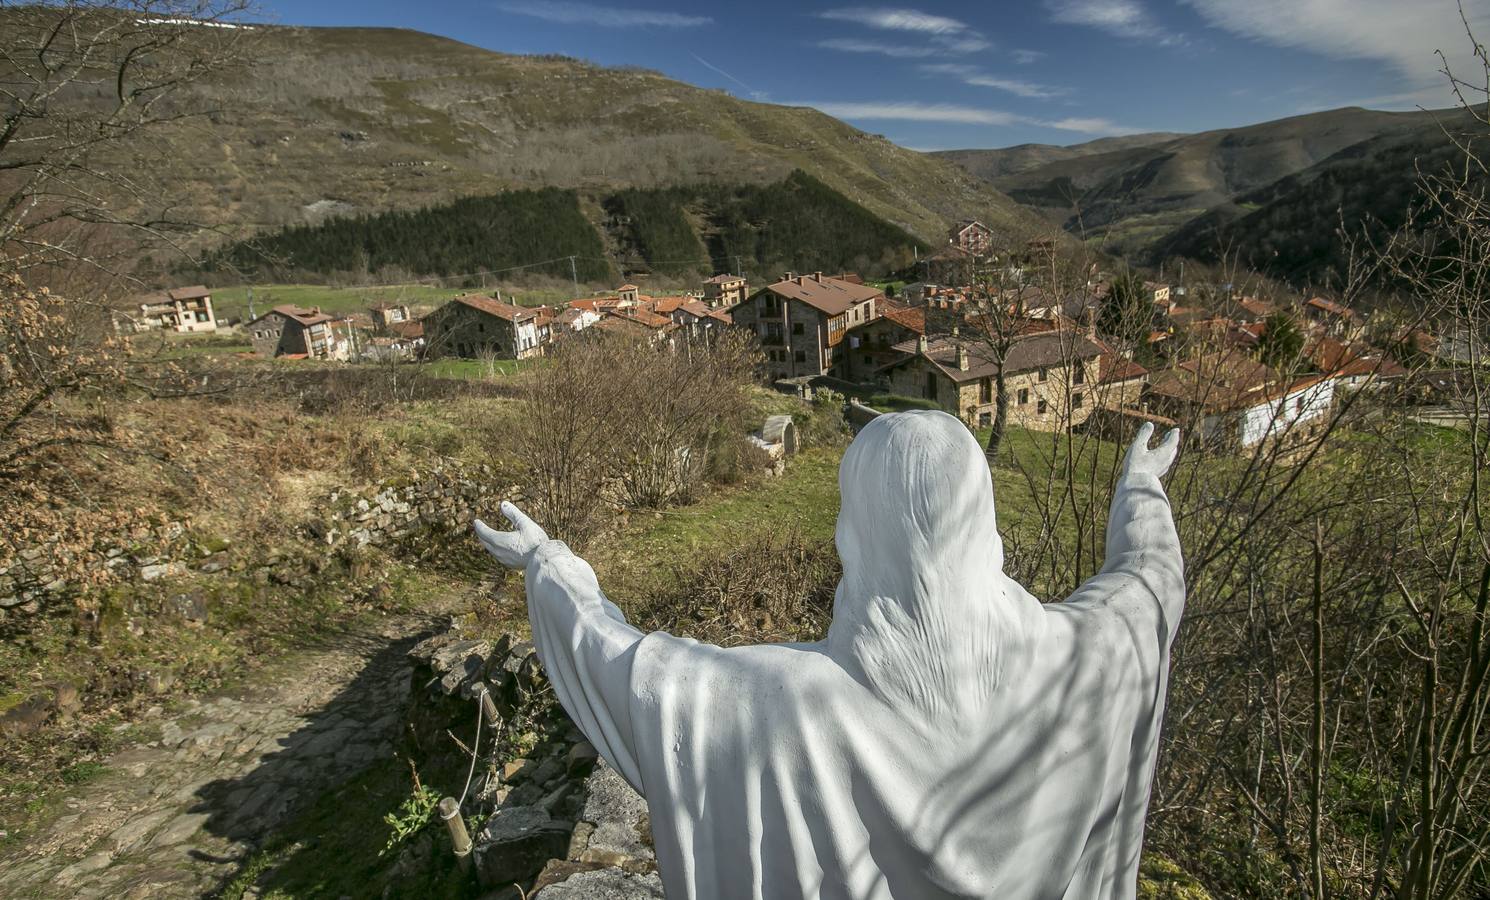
(896, 20)
(1124, 18)
(961, 115)
(854, 45)
(971, 75)
(1025, 57)
(605, 16)
(945, 33)
(916, 112)
(1088, 126)
(1404, 34)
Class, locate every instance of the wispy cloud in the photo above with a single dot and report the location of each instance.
(1025, 57)
(1124, 18)
(566, 13)
(942, 32)
(854, 45)
(896, 19)
(1404, 34)
(1089, 126)
(975, 77)
(904, 111)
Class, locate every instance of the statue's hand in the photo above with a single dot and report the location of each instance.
(511, 548)
(1143, 461)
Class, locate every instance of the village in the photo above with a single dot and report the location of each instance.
(975, 327)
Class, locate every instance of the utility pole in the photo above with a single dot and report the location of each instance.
(574, 275)
(251, 315)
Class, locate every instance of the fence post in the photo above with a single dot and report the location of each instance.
(450, 812)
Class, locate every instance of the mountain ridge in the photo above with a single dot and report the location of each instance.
(360, 120)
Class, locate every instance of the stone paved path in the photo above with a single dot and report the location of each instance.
(174, 817)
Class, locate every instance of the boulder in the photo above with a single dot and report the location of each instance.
(516, 843)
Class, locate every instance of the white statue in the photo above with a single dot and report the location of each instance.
(952, 736)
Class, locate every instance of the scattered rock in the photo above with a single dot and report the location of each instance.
(604, 884)
(516, 843)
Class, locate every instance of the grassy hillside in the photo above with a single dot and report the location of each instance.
(796, 224)
(1288, 229)
(991, 164)
(1132, 197)
(356, 120)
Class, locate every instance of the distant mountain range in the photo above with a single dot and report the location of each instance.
(1272, 193)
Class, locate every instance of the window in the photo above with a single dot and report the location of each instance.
(801, 356)
(1078, 375)
(796, 328)
(931, 385)
(481, 327)
(1040, 407)
(1024, 396)
(1044, 373)
(985, 419)
(985, 391)
(1077, 400)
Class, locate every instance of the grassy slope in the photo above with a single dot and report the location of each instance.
(990, 164)
(1134, 195)
(381, 118)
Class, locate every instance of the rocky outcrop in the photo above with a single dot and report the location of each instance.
(557, 820)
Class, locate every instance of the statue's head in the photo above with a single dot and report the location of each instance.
(922, 559)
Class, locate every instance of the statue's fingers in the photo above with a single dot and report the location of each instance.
(1171, 443)
(504, 545)
(520, 520)
(1140, 443)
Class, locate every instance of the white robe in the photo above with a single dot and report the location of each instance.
(951, 737)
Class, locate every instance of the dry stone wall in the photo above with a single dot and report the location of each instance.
(411, 512)
(556, 820)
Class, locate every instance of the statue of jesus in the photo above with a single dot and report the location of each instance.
(950, 737)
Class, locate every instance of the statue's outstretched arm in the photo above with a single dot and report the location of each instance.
(1144, 568)
(583, 639)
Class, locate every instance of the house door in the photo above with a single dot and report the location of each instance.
(930, 385)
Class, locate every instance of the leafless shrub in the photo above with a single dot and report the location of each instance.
(774, 586)
(612, 417)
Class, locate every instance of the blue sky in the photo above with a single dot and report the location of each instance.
(992, 74)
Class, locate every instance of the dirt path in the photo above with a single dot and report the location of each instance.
(175, 816)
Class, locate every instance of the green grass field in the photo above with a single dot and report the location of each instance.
(233, 301)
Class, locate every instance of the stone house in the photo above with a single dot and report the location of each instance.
(698, 321)
(473, 325)
(1051, 377)
(950, 265)
(186, 310)
(801, 322)
(724, 291)
(1228, 401)
(871, 345)
(297, 332)
(386, 315)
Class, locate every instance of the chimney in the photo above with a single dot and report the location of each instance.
(789, 276)
(961, 358)
(922, 345)
(818, 277)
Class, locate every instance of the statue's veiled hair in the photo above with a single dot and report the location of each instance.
(922, 610)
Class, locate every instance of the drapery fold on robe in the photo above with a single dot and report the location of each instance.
(951, 737)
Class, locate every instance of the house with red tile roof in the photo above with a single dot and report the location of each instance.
(1228, 400)
(1050, 377)
(801, 322)
(295, 331)
(474, 325)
